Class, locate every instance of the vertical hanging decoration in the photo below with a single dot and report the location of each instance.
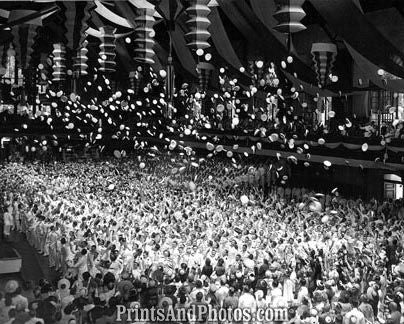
(204, 70)
(135, 78)
(10, 65)
(15, 31)
(80, 61)
(144, 35)
(289, 14)
(59, 62)
(30, 43)
(2, 68)
(107, 50)
(324, 55)
(170, 82)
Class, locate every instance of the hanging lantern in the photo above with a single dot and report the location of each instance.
(107, 50)
(324, 57)
(59, 62)
(144, 31)
(170, 81)
(289, 15)
(198, 24)
(204, 72)
(80, 61)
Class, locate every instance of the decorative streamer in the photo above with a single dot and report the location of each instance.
(59, 62)
(183, 52)
(15, 31)
(97, 34)
(221, 40)
(32, 33)
(342, 16)
(86, 18)
(198, 24)
(135, 78)
(109, 15)
(170, 82)
(15, 15)
(2, 68)
(369, 71)
(23, 32)
(264, 10)
(80, 64)
(144, 31)
(324, 57)
(204, 72)
(107, 49)
(70, 14)
(144, 4)
(309, 88)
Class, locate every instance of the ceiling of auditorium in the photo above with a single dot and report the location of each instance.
(373, 28)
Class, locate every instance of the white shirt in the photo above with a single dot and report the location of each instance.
(360, 318)
(247, 301)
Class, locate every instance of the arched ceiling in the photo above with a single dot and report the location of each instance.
(241, 29)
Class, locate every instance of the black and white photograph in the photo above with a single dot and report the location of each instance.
(202, 162)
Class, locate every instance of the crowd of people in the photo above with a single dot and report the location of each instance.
(161, 231)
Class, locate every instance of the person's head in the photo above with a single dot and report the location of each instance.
(364, 298)
(393, 307)
(354, 302)
(199, 297)
(198, 284)
(86, 275)
(11, 313)
(183, 299)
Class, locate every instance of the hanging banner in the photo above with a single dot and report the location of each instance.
(370, 72)
(70, 14)
(221, 40)
(344, 17)
(183, 53)
(309, 88)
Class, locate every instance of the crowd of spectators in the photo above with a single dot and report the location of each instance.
(161, 231)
